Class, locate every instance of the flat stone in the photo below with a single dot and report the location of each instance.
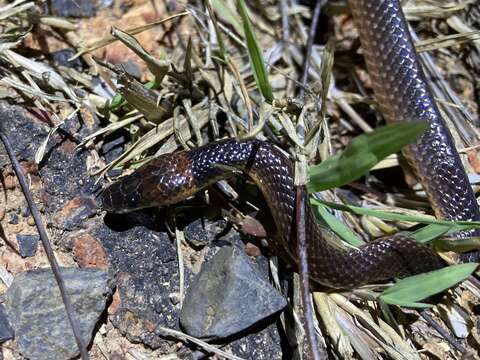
(228, 296)
(37, 313)
(6, 331)
(27, 244)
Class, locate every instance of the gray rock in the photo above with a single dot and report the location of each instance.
(38, 316)
(6, 331)
(228, 296)
(27, 244)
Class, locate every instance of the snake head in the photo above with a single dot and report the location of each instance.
(121, 197)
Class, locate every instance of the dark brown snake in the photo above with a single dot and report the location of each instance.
(403, 95)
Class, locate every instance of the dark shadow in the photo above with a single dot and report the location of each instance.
(148, 218)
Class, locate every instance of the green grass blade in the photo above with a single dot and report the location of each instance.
(225, 13)
(117, 102)
(361, 154)
(255, 55)
(432, 232)
(222, 51)
(392, 216)
(414, 304)
(458, 245)
(407, 292)
(337, 226)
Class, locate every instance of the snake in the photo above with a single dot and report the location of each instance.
(402, 94)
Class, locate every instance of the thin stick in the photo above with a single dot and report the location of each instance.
(444, 333)
(311, 35)
(163, 331)
(285, 28)
(46, 243)
(304, 273)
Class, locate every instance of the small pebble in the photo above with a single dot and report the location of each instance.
(88, 252)
(62, 57)
(10, 182)
(30, 221)
(252, 250)
(13, 219)
(132, 68)
(74, 213)
(27, 244)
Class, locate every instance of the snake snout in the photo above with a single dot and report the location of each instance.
(113, 200)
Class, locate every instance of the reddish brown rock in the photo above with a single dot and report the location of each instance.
(252, 226)
(252, 250)
(88, 253)
(74, 213)
(115, 304)
(474, 160)
(30, 167)
(68, 146)
(150, 326)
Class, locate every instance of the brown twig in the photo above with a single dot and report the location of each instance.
(304, 273)
(46, 243)
(311, 36)
(444, 333)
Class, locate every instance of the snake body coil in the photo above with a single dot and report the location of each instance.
(174, 177)
(402, 94)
